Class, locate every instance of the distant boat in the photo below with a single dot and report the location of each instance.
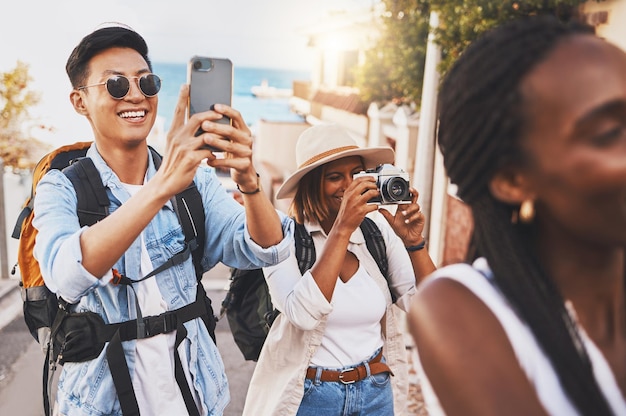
(265, 91)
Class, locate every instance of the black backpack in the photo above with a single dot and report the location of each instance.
(248, 305)
(76, 337)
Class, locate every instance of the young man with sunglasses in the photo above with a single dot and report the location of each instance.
(115, 89)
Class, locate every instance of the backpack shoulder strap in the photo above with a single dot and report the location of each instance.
(188, 206)
(190, 211)
(376, 246)
(93, 201)
(305, 249)
(57, 159)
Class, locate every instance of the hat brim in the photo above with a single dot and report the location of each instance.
(372, 157)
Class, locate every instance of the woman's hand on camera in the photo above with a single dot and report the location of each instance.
(408, 221)
(354, 206)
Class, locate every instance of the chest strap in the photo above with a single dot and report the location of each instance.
(153, 325)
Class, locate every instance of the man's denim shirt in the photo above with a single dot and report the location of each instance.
(87, 388)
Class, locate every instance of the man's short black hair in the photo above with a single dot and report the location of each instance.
(98, 41)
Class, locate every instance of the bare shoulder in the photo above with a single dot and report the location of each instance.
(444, 309)
(466, 353)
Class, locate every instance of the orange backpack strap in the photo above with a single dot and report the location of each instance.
(24, 230)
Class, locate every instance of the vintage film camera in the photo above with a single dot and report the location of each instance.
(392, 182)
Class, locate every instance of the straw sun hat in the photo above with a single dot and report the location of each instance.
(324, 143)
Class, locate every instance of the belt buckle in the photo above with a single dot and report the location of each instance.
(342, 373)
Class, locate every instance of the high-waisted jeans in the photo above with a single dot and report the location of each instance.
(371, 396)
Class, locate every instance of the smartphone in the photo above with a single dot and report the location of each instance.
(210, 82)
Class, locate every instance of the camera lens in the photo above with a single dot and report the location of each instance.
(197, 64)
(396, 189)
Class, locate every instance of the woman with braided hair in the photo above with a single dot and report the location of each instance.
(533, 133)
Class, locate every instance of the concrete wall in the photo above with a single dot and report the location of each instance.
(275, 143)
(459, 225)
(274, 152)
(356, 123)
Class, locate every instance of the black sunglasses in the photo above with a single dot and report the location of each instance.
(119, 85)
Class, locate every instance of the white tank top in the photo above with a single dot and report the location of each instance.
(531, 357)
(353, 330)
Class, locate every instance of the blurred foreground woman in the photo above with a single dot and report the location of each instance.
(533, 132)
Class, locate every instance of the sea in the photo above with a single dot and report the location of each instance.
(253, 109)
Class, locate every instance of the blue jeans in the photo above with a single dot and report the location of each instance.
(371, 396)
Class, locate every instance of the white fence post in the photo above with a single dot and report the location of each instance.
(380, 123)
(3, 229)
(426, 143)
(407, 126)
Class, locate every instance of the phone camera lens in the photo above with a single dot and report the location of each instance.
(197, 64)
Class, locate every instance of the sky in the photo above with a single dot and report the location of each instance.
(263, 33)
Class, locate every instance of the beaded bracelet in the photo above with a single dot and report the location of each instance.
(417, 247)
(256, 191)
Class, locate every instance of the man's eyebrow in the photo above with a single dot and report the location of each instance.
(608, 107)
(111, 72)
(115, 72)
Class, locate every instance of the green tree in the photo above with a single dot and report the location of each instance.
(394, 67)
(17, 148)
(462, 21)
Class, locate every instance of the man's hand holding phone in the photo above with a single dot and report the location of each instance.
(233, 140)
(237, 148)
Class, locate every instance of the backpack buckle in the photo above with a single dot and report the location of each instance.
(119, 279)
(160, 324)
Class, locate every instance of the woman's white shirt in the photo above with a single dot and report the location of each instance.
(353, 327)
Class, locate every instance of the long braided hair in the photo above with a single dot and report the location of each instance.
(481, 125)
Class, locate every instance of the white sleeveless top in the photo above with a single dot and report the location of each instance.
(531, 357)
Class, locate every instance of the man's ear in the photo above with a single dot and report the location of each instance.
(509, 185)
(76, 98)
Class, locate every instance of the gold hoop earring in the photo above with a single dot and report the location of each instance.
(527, 211)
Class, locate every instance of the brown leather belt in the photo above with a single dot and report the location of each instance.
(351, 375)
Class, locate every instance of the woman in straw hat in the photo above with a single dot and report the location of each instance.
(337, 348)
